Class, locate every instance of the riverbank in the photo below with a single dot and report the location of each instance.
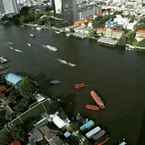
(130, 47)
(104, 41)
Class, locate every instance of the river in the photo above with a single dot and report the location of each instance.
(118, 76)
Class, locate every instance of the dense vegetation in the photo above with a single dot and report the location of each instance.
(101, 20)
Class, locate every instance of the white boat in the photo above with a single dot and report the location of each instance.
(67, 35)
(67, 63)
(71, 64)
(51, 48)
(3, 60)
(12, 48)
(10, 43)
(38, 28)
(57, 32)
(62, 61)
(29, 44)
(32, 35)
(18, 50)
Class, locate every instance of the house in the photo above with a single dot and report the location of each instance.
(15, 143)
(100, 31)
(140, 34)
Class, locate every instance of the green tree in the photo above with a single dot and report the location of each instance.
(141, 43)
(27, 87)
(130, 36)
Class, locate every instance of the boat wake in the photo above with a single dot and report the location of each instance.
(16, 50)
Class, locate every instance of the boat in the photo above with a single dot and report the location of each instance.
(29, 44)
(10, 43)
(103, 140)
(97, 99)
(32, 35)
(38, 28)
(68, 35)
(123, 143)
(2, 70)
(12, 48)
(92, 107)
(62, 61)
(54, 82)
(51, 48)
(3, 60)
(57, 32)
(79, 86)
(18, 50)
(72, 64)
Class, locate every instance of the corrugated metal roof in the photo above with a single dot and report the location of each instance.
(12, 78)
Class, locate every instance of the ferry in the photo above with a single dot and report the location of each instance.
(97, 99)
(51, 48)
(92, 107)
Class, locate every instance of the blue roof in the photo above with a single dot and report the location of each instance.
(13, 79)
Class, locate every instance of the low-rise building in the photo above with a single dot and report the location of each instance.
(140, 34)
(13, 79)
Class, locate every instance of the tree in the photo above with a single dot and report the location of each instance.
(101, 20)
(130, 37)
(141, 43)
(27, 87)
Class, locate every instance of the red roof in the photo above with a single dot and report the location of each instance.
(16, 143)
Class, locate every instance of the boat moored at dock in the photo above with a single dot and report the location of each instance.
(97, 99)
(92, 107)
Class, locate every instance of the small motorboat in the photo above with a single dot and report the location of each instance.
(29, 44)
(18, 50)
(3, 60)
(10, 43)
(11, 48)
(55, 82)
(92, 107)
(79, 86)
(2, 70)
(67, 35)
(57, 32)
(62, 61)
(72, 64)
(97, 99)
(38, 28)
(51, 48)
(32, 35)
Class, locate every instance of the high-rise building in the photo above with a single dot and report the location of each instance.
(8, 7)
(1, 8)
(75, 10)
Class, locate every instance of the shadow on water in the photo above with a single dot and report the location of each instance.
(141, 140)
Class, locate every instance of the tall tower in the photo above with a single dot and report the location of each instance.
(1, 7)
(10, 7)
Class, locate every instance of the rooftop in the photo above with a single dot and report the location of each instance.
(13, 79)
